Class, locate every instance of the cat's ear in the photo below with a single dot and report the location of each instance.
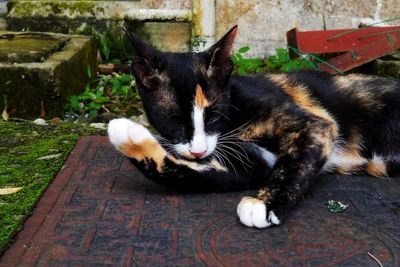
(146, 63)
(220, 53)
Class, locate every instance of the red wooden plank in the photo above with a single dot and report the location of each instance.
(319, 42)
(362, 55)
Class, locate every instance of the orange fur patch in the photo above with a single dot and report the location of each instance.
(200, 99)
(376, 168)
(354, 165)
(147, 150)
(352, 152)
(302, 98)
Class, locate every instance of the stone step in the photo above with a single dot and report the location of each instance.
(41, 70)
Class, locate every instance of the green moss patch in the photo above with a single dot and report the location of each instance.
(30, 157)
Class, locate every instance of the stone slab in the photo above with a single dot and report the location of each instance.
(101, 211)
(28, 48)
(41, 70)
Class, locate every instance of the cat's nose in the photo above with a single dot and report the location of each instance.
(198, 154)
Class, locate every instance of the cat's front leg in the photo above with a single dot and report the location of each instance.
(144, 151)
(136, 142)
(302, 156)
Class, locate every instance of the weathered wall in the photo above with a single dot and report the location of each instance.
(263, 24)
(165, 23)
(3, 12)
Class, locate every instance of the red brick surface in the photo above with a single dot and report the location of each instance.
(100, 211)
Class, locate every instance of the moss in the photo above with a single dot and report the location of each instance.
(21, 144)
(196, 19)
(23, 48)
(59, 8)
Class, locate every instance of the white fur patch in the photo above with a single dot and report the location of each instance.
(122, 131)
(339, 158)
(269, 157)
(201, 142)
(185, 149)
(252, 212)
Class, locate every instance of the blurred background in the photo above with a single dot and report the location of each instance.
(179, 25)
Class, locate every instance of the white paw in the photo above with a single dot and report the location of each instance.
(122, 131)
(253, 212)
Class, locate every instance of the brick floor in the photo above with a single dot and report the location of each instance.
(100, 211)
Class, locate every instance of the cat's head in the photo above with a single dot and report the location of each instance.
(185, 95)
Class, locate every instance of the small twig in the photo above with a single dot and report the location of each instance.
(106, 109)
(376, 259)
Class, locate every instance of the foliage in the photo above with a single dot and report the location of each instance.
(111, 47)
(22, 145)
(245, 65)
(110, 43)
(108, 93)
(104, 45)
(281, 62)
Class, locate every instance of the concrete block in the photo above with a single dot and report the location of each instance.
(40, 70)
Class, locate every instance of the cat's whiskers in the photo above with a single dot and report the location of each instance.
(167, 145)
(234, 131)
(230, 105)
(217, 156)
(222, 114)
(222, 154)
(236, 144)
(236, 154)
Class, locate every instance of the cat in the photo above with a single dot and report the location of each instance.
(275, 132)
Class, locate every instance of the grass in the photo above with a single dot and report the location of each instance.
(21, 144)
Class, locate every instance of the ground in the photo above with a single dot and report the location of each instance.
(30, 157)
(101, 211)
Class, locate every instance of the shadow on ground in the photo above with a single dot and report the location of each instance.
(100, 211)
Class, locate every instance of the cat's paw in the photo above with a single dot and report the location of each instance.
(253, 212)
(135, 141)
(124, 131)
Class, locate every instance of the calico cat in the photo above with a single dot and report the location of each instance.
(273, 132)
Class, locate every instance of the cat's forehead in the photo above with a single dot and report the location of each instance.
(187, 59)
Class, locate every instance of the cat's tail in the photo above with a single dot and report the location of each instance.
(380, 167)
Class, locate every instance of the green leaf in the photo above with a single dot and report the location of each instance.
(94, 106)
(93, 113)
(244, 49)
(116, 61)
(116, 85)
(125, 78)
(237, 57)
(89, 71)
(282, 54)
(102, 99)
(74, 102)
(125, 89)
(353, 54)
(336, 206)
(390, 39)
(92, 95)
